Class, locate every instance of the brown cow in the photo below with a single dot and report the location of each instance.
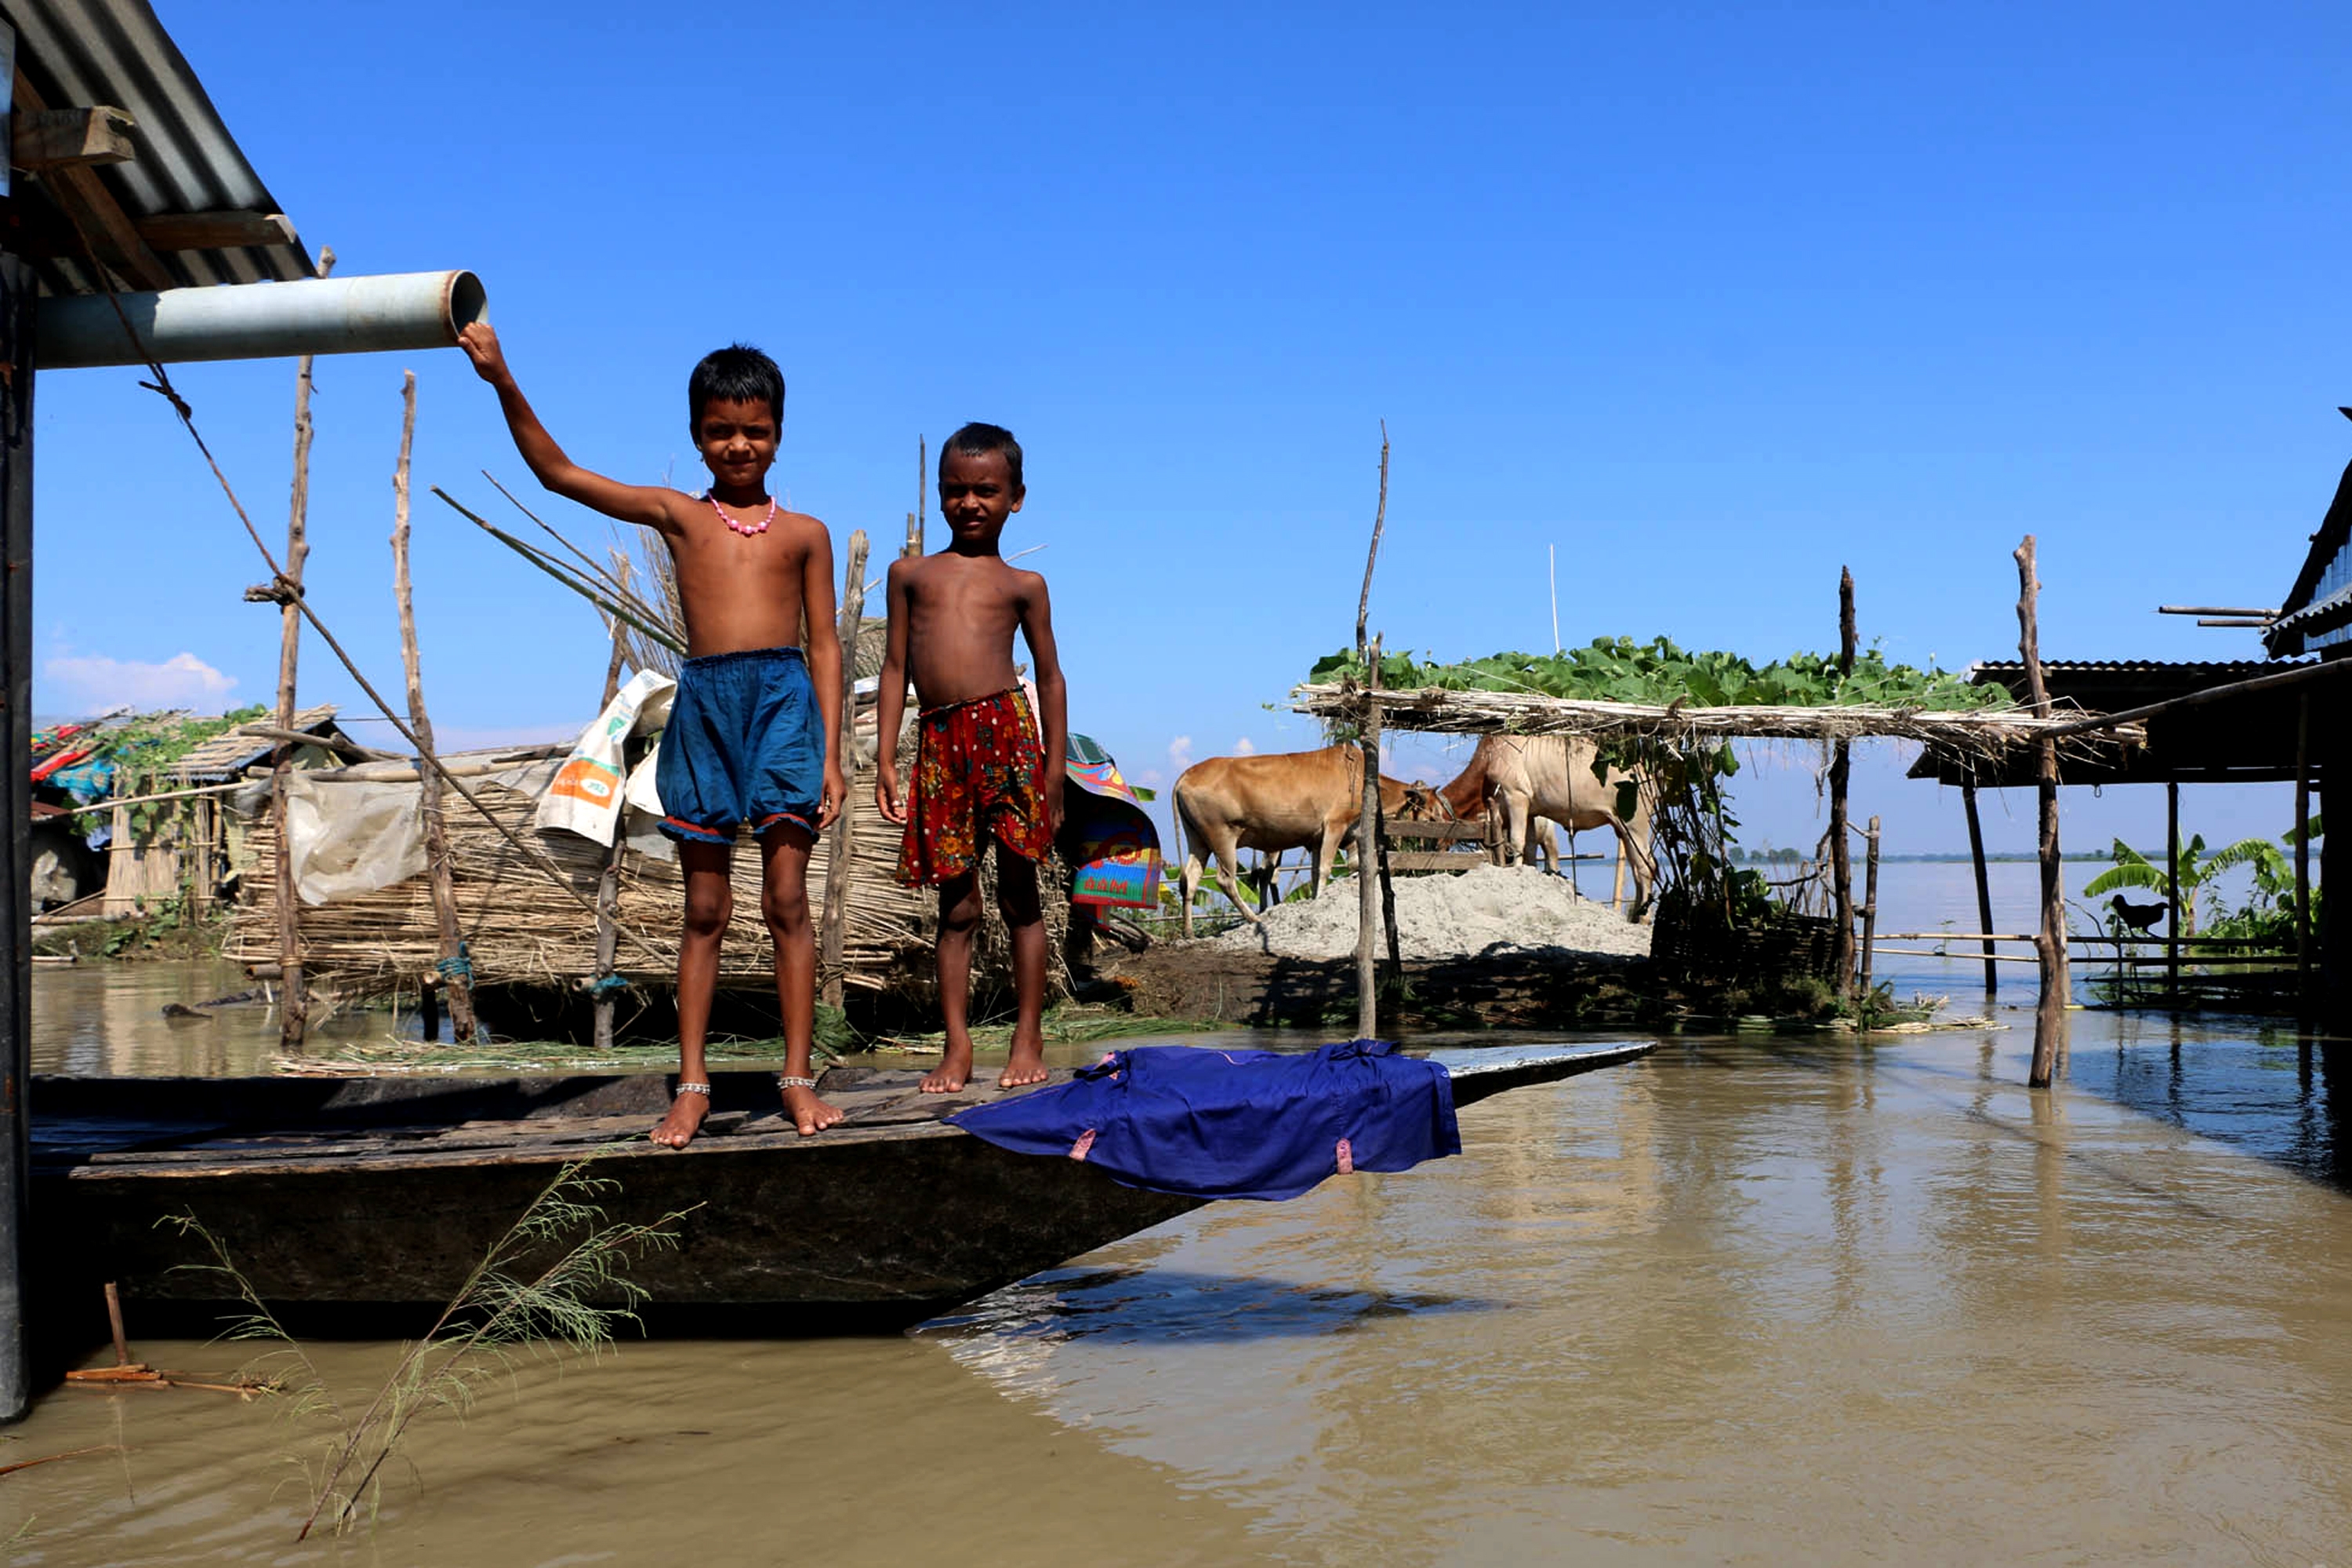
(1289, 800)
(1519, 779)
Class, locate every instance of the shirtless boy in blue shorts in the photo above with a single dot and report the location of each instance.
(750, 737)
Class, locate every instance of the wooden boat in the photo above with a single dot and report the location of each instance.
(384, 1191)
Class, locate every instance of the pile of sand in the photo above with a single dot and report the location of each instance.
(1486, 910)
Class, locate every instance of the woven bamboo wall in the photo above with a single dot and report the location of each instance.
(521, 928)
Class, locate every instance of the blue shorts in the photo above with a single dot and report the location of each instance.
(744, 744)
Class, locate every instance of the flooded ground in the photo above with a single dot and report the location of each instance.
(1748, 1300)
(107, 1020)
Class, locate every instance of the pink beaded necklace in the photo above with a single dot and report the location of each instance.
(746, 529)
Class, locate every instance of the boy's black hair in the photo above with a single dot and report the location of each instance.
(977, 439)
(735, 374)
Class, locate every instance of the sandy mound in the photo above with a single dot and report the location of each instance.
(1485, 909)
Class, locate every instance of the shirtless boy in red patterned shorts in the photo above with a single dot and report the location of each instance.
(982, 767)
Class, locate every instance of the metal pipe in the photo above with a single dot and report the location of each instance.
(262, 321)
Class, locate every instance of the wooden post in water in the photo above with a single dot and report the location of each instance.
(1381, 839)
(17, 287)
(1984, 884)
(1368, 998)
(2172, 893)
(2303, 1008)
(457, 982)
(1869, 914)
(834, 927)
(293, 996)
(1368, 892)
(1841, 771)
(2050, 940)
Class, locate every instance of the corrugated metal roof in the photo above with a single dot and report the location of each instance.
(1989, 670)
(78, 53)
(228, 754)
(2307, 626)
(2325, 572)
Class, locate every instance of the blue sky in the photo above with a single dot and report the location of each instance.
(1713, 299)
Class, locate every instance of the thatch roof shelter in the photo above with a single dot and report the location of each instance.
(1451, 712)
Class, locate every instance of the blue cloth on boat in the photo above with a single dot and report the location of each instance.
(1235, 1124)
(745, 742)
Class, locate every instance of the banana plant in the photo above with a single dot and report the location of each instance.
(2134, 869)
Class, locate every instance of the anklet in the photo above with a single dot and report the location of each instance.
(793, 1080)
(701, 1089)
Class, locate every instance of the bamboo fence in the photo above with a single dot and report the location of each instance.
(523, 929)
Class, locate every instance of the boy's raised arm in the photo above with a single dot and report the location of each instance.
(1053, 695)
(645, 504)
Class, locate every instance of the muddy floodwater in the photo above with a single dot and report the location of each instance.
(1765, 1298)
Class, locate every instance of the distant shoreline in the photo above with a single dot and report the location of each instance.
(1961, 857)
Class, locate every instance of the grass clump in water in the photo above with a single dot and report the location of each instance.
(512, 1303)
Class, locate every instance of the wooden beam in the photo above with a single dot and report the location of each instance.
(216, 230)
(42, 140)
(91, 209)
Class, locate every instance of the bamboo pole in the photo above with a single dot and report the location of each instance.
(2303, 858)
(1984, 883)
(608, 882)
(457, 980)
(293, 1011)
(2050, 943)
(922, 489)
(835, 924)
(1842, 954)
(1869, 914)
(1368, 742)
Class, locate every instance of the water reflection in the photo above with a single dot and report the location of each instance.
(1138, 1305)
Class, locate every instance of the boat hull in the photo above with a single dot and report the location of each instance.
(388, 1193)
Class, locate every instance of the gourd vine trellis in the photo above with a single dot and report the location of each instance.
(1691, 822)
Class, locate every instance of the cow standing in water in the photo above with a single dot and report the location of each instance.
(1515, 780)
(1290, 800)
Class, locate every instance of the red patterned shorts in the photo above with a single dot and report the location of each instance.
(979, 769)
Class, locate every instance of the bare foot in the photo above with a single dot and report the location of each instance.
(953, 1071)
(1027, 1065)
(678, 1128)
(809, 1113)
